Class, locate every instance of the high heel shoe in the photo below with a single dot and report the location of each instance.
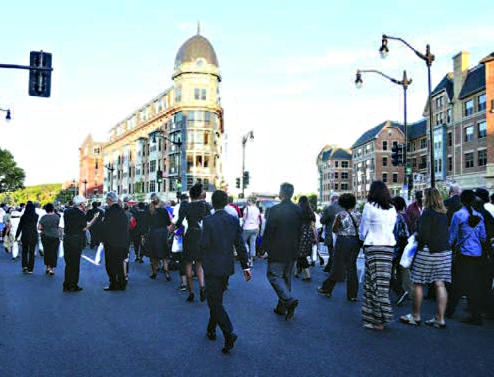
(191, 297)
(167, 274)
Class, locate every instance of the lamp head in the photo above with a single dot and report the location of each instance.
(384, 50)
(8, 117)
(251, 135)
(358, 80)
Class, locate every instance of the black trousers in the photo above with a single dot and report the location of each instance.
(466, 279)
(215, 287)
(50, 247)
(114, 264)
(28, 249)
(72, 256)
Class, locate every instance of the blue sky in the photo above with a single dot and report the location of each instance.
(288, 73)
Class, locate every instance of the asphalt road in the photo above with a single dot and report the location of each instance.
(149, 330)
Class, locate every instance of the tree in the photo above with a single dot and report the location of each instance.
(11, 176)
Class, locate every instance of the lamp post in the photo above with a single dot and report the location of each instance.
(404, 83)
(428, 58)
(178, 144)
(110, 169)
(85, 187)
(8, 117)
(248, 136)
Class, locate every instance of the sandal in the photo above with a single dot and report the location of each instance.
(435, 323)
(370, 326)
(409, 320)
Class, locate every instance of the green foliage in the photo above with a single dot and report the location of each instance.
(11, 176)
(45, 193)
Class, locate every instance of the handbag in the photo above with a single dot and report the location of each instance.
(456, 247)
(409, 252)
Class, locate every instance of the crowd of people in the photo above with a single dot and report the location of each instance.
(452, 237)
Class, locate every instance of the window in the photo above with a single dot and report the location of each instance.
(196, 93)
(336, 163)
(344, 164)
(469, 160)
(178, 94)
(482, 157)
(395, 177)
(468, 134)
(468, 110)
(385, 145)
(344, 186)
(199, 94)
(450, 163)
(482, 130)
(481, 106)
(439, 118)
(203, 94)
(448, 116)
(450, 139)
(439, 102)
(336, 187)
(385, 177)
(423, 143)
(336, 175)
(423, 162)
(152, 166)
(414, 163)
(344, 175)
(385, 161)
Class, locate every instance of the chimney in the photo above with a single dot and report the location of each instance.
(461, 62)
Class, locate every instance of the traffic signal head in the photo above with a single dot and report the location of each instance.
(410, 181)
(246, 179)
(397, 154)
(237, 183)
(159, 176)
(39, 80)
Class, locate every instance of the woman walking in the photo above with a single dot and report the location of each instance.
(157, 222)
(376, 231)
(346, 250)
(8, 238)
(308, 238)
(29, 238)
(50, 237)
(432, 262)
(193, 212)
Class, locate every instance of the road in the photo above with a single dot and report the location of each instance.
(149, 330)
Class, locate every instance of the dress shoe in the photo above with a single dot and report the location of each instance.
(230, 340)
(291, 310)
(72, 289)
(190, 298)
(472, 320)
(323, 291)
(279, 311)
(153, 276)
(211, 335)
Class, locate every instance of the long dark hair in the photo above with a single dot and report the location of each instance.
(307, 211)
(379, 194)
(467, 198)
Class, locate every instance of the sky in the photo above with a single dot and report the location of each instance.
(288, 71)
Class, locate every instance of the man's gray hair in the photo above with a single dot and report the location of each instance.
(334, 196)
(454, 190)
(286, 190)
(78, 200)
(112, 197)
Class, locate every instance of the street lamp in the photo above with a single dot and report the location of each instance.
(85, 187)
(8, 117)
(178, 143)
(428, 58)
(110, 169)
(404, 82)
(248, 136)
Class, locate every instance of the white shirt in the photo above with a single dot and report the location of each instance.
(377, 224)
(251, 217)
(489, 207)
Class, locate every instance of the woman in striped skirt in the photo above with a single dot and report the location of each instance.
(432, 262)
(376, 231)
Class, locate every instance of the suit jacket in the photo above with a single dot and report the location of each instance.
(220, 233)
(115, 227)
(452, 205)
(282, 233)
(328, 216)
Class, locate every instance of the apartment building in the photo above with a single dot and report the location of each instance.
(335, 171)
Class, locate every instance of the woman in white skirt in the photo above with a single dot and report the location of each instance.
(432, 263)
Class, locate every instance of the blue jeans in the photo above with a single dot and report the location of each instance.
(279, 275)
(250, 236)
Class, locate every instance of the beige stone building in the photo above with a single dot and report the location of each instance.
(335, 172)
(177, 135)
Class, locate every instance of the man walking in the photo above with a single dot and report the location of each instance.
(327, 219)
(115, 237)
(220, 233)
(281, 240)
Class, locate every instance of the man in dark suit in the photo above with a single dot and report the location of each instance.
(220, 233)
(115, 237)
(453, 203)
(96, 228)
(327, 219)
(281, 241)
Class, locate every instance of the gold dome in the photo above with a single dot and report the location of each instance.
(195, 48)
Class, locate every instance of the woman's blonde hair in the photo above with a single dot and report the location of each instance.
(434, 200)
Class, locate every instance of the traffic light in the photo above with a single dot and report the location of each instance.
(410, 181)
(237, 183)
(397, 154)
(40, 81)
(159, 176)
(246, 179)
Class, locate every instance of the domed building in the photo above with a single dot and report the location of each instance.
(175, 139)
